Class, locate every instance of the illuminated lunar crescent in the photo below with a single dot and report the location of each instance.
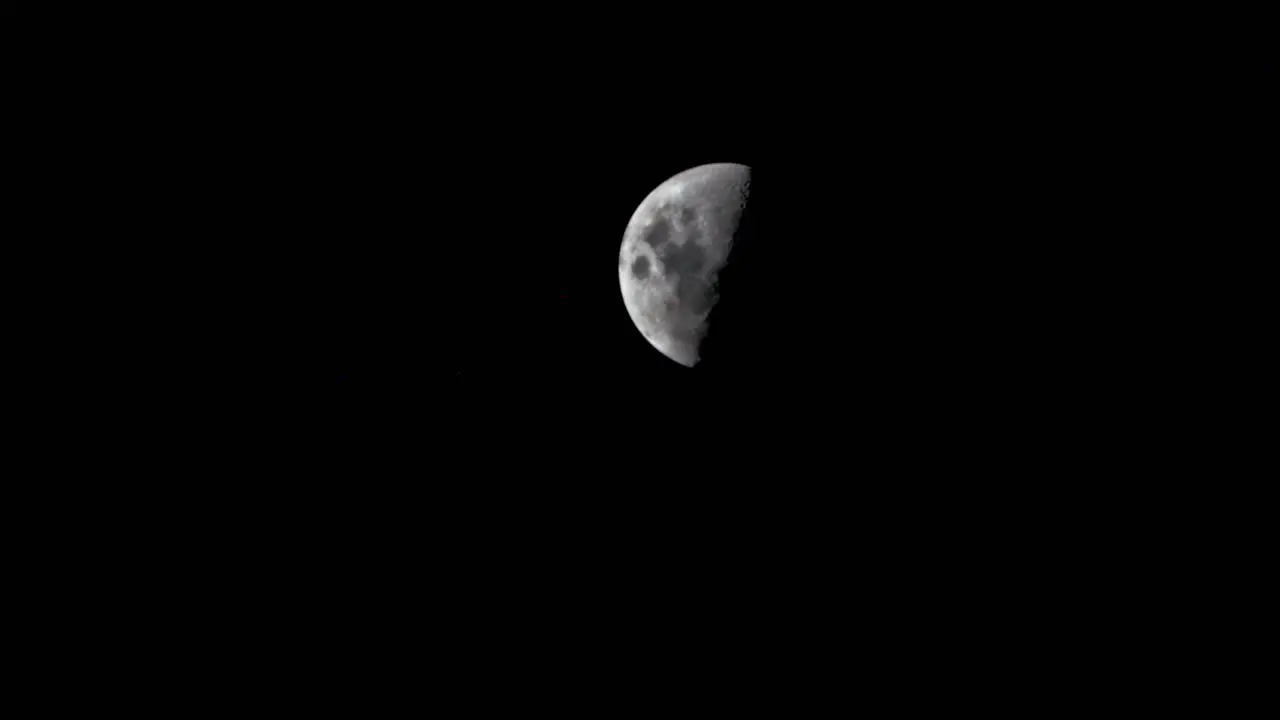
(676, 243)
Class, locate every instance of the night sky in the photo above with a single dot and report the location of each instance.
(469, 234)
(942, 238)
(428, 431)
(453, 222)
(340, 402)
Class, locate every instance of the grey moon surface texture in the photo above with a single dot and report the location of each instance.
(677, 241)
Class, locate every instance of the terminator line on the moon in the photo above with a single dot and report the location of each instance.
(675, 244)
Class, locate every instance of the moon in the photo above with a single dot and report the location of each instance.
(677, 241)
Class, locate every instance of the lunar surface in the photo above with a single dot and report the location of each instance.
(676, 243)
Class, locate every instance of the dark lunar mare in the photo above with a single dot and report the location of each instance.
(684, 259)
(694, 293)
(684, 263)
(658, 234)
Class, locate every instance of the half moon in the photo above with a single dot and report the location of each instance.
(677, 241)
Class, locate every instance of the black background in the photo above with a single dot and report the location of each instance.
(892, 359)
(457, 221)
(426, 218)
(422, 407)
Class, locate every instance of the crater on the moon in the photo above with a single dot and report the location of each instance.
(640, 268)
